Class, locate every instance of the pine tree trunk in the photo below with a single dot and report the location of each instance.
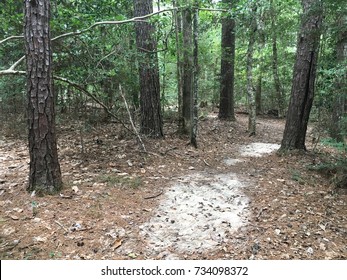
(194, 102)
(259, 87)
(179, 66)
(339, 108)
(252, 113)
(278, 87)
(44, 174)
(187, 69)
(304, 76)
(226, 103)
(151, 116)
(258, 93)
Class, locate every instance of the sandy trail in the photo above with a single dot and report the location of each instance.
(201, 210)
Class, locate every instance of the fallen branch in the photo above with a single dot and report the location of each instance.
(168, 150)
(260, 212)
(154, 196)
(131, 119)
(62, 226)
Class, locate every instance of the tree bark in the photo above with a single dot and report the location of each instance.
(252, 113)
(179, 66)
(304, 76)
(151, 116)
(278, 87)
(44, 174)
(194, 102)
(340, 100)
(226, 103)
(187, 69)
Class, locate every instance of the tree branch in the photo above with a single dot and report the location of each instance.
(131, 120)
(11, 72)
(212, 10)
(75, 85)
(92, 96)
(11, 38)
(134, 19)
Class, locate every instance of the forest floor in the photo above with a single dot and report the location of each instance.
(232, 198)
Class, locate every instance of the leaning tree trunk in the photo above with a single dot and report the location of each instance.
(44, 174)
(226, 103)
(187, 69)
(304, 76)
(151, 116)
(252, 112)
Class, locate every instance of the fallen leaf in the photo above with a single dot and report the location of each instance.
(132, 255)
(39, 239)
(309, 250)
(117, 243)
(8, 231)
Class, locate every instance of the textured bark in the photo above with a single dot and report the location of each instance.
(340, 100)
(226, 103)
(187, 69)
(44, 174)
(194, 102)
(252, 113)
(304, 75)
(278, 87)
(259, 88)
(179, 66)
(151, 116)
(258, 93)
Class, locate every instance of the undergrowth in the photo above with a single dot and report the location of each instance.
(334, 166)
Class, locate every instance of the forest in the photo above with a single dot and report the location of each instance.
(171, 129)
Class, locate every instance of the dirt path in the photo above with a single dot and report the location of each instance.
(231, 198)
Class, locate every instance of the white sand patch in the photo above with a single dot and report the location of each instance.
(231, 161)
(197, 214)
(258, 149)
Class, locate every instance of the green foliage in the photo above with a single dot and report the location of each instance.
(334, 166)
(340, 146)
(117, 180)
(106, 56)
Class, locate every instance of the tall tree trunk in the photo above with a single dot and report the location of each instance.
(252, 113)
(179, 66)
(187, 69)
(304, 76)
(259, 88)
(44, 174)
(226, 103)
(276, 77)
(339, 108)
(258, 92)
(151, 116)
(194, 101)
